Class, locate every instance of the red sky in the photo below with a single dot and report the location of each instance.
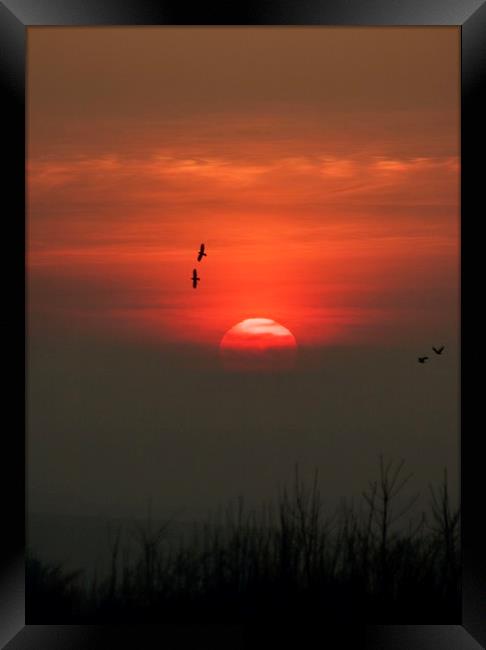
(319, 165)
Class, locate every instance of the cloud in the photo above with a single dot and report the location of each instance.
(293, 220)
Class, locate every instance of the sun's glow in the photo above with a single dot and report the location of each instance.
(258, 344)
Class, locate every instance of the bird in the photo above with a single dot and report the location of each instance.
(195, 279)
(438, 350)
(201, 253)
(422, 359)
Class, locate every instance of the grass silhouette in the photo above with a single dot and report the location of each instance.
(289, 559)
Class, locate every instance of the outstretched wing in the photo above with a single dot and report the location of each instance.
(194, 274)
(202, 248)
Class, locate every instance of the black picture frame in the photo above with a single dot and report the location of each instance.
(16, 16)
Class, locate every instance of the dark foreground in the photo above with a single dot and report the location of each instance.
(287, 562)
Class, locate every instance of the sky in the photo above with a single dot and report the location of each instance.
(320, 166)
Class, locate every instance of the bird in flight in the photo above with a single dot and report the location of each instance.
(201, 253)
(422, 359)
(438, 350)
(195, 279)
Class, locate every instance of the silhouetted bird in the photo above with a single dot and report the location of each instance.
(438, 350)
(422, 359)
(195, 279)
(201, 253)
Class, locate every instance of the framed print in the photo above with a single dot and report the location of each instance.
(245, 253)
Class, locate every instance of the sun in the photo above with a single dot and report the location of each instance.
(258, 344)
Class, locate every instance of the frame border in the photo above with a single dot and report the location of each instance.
(470, 16)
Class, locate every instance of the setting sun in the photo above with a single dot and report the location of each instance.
(258, 343)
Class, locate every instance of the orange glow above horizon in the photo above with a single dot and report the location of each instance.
(334, 213)
(330, 271)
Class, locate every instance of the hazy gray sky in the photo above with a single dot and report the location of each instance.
(111, 425)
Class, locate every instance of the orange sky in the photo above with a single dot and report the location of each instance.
(319, 165)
